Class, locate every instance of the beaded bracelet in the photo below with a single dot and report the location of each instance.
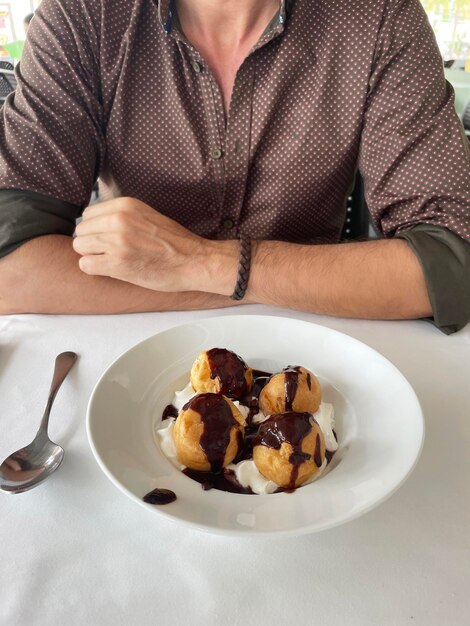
(243, 269)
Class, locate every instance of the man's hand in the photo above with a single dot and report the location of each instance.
(128, 240)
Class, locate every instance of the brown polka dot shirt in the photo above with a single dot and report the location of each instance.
(113, 89)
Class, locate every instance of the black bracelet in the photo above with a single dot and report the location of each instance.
(243, 269)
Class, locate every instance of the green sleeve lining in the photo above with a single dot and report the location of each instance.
(445, 260)
(25, 215)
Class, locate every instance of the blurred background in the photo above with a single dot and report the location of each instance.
(450, 20)
(12, 32)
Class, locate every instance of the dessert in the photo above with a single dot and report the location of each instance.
(289, 449)
(293, 389)
(208, 432)
(221, 371)
(272, 434)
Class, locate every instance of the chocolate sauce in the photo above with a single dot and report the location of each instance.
(317, 455)
(246, 450)
(169, 411)
(261, 374)
(160, 496)
(224, 481)
(230, 369)
(291, 381)
(251, 399)
(290, 428)
(330, 454)
(218, 421)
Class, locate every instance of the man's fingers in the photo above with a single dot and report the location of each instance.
(101, 208)
(107, 223)
(116, 205)
(107, 207)
(95, 264)
(90, 244)
(120, 210)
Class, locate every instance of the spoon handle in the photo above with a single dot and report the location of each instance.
(63, 364)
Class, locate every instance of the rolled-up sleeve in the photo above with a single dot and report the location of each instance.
(29, 214)
(415, 158)
(445, 260)
(51, 128)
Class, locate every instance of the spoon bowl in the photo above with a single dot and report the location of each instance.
(29, 466)
(26, 468)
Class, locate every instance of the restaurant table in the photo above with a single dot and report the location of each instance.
(75, 550)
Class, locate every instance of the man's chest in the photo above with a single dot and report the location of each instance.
(290, 137)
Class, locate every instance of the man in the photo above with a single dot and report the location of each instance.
(15, 48)
(225, 127)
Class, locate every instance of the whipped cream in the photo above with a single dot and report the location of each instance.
(246, 471)
(325, 418)
(165, 440)
(181, 397)
(248, 475)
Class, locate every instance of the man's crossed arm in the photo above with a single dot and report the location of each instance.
(127, 257)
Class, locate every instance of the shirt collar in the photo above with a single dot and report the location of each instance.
(166, 10)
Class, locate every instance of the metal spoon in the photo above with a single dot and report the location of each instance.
(26, 468)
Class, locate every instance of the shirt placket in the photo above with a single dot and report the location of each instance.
(215, 115)
(237, 149)
(229, 142)
(228, 137)
(238, 134)
(216, 130)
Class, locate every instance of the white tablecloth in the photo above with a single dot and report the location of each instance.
(75, 550)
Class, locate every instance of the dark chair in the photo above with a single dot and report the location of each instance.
(356, 225)
(7, 83)
(6, 65)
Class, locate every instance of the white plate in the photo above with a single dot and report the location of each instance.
(378, 421)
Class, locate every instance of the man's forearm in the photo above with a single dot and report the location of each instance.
(376, 279)
(128, 240)
(43, 276)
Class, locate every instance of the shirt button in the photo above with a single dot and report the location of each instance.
(216, 153)
(197, 67)
(227, 223)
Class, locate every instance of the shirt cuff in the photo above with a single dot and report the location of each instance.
(27, 214)
(445, 260)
